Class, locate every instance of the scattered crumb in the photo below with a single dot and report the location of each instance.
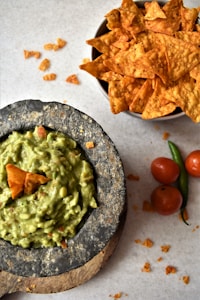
(165, 248)
(90, 145)
(147, 206)
(64, 101)
(159, 259)
(133, 177)
(186, 279)
(72, 79)
(165, 135)
(28, 54)
(61, 43)
(170, 270)
(49, 77)
(63, 244)
(146, 268)
(118, 295)
(44, 65)
(195, 228)
(30, 288)
(52, 46)
(146, 243)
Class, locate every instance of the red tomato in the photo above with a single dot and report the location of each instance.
(166, 199)
(165, 170)
(192, 163)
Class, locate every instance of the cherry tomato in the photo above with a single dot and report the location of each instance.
(192, 163)
(166, 199)
(165, 170)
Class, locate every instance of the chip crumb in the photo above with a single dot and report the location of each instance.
(118, 295)
(49, 77)
(65, 101)
(165, 248)
(133, 177)
(159, 259)
(52, 46)
(90, 145)
(166, 135)
(146, 243)
(170, 270)
(28, 54)
(147, 206)
(44, 65)
(72, 79)
(146, 268)
(186, 279)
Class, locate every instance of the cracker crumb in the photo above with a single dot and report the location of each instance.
(147, 206)
(90, 145)
(170, 270)
(49, 77)
(118, 295)
(31, 53)
(165, 248)
(146, 268)
(133, 177)
(72, 79)
(165, 135)
(61, 43)
(44, 65)
(186, 279)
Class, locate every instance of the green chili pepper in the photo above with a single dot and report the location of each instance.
(183, 177)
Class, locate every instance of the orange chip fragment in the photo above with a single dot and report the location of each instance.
(16, 178)
(32, 182)
(28, 54)
(90, 145)
(170, 270)
(21, 181)
(186, 279)
(165, 248)
(49, 77)
(52, 46)
(44, 65)
(146, 267)
(73, 79)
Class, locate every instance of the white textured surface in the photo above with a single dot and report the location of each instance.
(26, 24)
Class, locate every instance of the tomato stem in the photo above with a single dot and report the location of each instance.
(183, 177)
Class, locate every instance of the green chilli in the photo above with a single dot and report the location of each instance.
(183, 177)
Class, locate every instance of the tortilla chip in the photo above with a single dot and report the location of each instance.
(154, 11)
(176, 50)
(195, 72)
(122, 92)
(188, 18)
(192, 37)
(96, 67)
(141, 98)
(32, 182)
(113, 19)
(186, 95)
(122, 62)
(159, 104)
(16, 178)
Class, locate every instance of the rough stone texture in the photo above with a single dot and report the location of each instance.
(102, 223)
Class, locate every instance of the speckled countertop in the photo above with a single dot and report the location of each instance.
(29, 25)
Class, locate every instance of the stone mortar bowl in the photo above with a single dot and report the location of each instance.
(48, 270)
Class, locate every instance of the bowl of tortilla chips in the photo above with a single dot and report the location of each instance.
(146, 58)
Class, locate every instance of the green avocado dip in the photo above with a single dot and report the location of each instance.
(54, 212)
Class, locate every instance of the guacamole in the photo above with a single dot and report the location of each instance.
(54, 212)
